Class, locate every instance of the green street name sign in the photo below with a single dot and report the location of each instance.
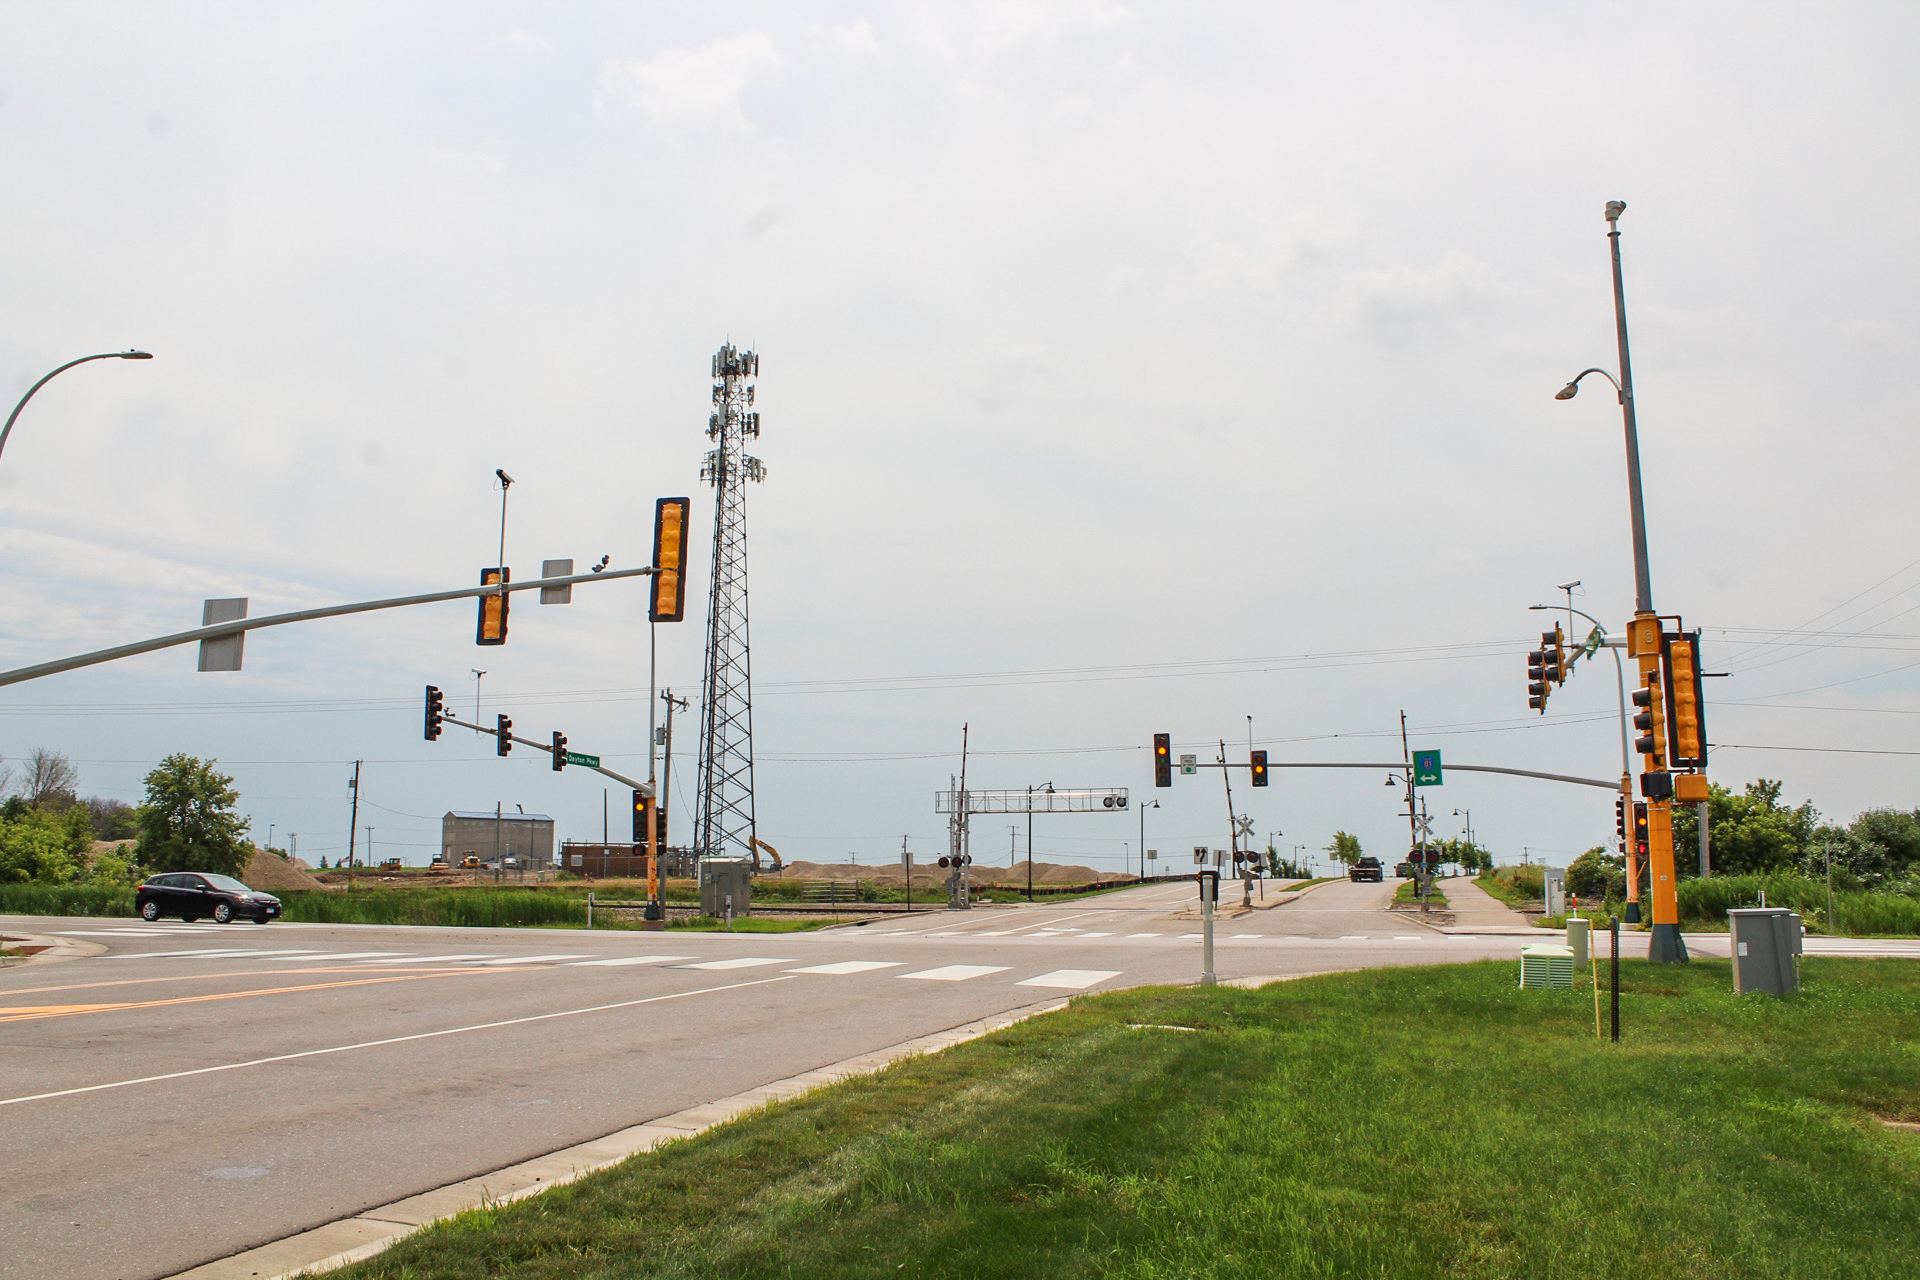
(592, 762)
(1426, 769)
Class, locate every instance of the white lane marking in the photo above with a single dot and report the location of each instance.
(217, 953)
(340, 955)
(740, 962)
(1143, 935)
(850, 966)
(957, 972)
(1406, 937)
(1185, 936)
(480, 955)
(1096, 935)
(1073, 979)
(536, 959)
(1354, 937)
(620, 960)
(119, 933)
(1238, 936)
(375, 1044)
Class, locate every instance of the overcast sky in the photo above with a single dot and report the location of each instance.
(1125, 368)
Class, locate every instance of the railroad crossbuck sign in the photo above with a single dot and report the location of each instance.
(1426, 769)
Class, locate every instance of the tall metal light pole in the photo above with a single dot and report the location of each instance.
(107, 355)
(1643, 634)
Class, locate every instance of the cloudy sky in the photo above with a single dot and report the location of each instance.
(1126, 368)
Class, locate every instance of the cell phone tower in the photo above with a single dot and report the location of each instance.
(723, 820)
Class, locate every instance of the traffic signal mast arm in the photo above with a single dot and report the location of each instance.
(548, 747)
(241, 625)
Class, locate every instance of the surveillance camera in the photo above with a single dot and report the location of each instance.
(1568, 586)
(505, 479)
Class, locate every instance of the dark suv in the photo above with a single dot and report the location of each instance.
(1366, 869)
(193, 894)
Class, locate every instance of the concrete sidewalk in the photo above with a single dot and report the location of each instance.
(1477, 911)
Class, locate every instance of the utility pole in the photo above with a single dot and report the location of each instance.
(370, 861)
(352, 820)
(906, 867)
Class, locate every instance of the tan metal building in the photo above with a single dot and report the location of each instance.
(509, 839)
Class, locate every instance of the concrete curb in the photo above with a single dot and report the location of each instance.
(57, 949)
(365, 1234)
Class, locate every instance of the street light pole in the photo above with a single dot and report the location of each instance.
(106, 355)
(1151, 804)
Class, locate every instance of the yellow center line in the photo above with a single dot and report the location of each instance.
(31, 1013)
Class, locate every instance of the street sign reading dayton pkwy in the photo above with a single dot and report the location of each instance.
(592, 762)
(1426, 769)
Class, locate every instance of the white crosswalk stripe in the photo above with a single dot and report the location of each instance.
(483, 955)
(626, 960)
(957, 972)
(1071, 979)
(850, 966)
(741, 962)
(535, 959)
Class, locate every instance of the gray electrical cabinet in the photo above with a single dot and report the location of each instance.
(1766, 950)
(724, 879)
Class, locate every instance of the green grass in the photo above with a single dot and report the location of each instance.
(742, 924)
(64, 900)
(1394, 1123)
(1408, 892)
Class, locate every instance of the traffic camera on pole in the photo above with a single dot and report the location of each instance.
(436, 713)
(559, 751)
(503, 736)
(1162, 759)
(1258, 765)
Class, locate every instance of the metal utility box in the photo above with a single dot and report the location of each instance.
(1546, 966)
(1579, 938)
(724, 880)
(1766, 950)
(1553, 887)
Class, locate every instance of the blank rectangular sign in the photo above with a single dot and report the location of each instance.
(223, 652)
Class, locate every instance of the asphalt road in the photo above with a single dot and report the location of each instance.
(200, 1089)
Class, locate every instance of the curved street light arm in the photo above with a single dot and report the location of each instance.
(1567, 392)
(105, 355)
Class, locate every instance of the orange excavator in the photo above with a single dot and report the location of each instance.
(771, 851)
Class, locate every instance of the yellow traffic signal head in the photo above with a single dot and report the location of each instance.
(669, 601)
(1686, 710)
(493, 608)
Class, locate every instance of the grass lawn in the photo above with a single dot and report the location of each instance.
(1409, 892)
(1394, 1123)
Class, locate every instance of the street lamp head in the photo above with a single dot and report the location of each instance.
(1567, 392)
(136, 355)
(1614, 209)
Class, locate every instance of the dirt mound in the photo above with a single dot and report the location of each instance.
(270, 871)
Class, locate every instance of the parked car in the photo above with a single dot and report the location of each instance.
(1367, 869)
(192, 895)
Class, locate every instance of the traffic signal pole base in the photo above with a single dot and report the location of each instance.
(1667, 946)
(1633, 913)
(653, 912)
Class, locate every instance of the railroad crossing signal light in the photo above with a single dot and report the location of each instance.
(436, 713)
(669, 599)
(1686, 708)
(1650, 720)
(559, 751)
(503, 736)
(1259, 768)
(1162, 759)
(493, 608)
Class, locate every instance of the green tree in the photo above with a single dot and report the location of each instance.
(37, 847)
(1597, 875)
(1747, 833)
(188, 822)
(1345, 848)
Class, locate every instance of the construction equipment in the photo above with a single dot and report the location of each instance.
(391, 864)
(758, 845)
(471, 860)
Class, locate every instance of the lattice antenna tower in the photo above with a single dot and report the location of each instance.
(724, 818)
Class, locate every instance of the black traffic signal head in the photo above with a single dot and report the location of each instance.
(1539, 685)
(1640, 828)
(436, 713)
(559, 751)
(502, 735)
(639, 818)
(1620, 819)
(493, 608)
(1162, 759)
(1259, 767)
(1650, 721)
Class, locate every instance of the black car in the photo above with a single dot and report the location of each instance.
(192, 895)
(1366, 869)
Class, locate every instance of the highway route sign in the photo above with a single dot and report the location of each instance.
(1426, 769)
(592, 762)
